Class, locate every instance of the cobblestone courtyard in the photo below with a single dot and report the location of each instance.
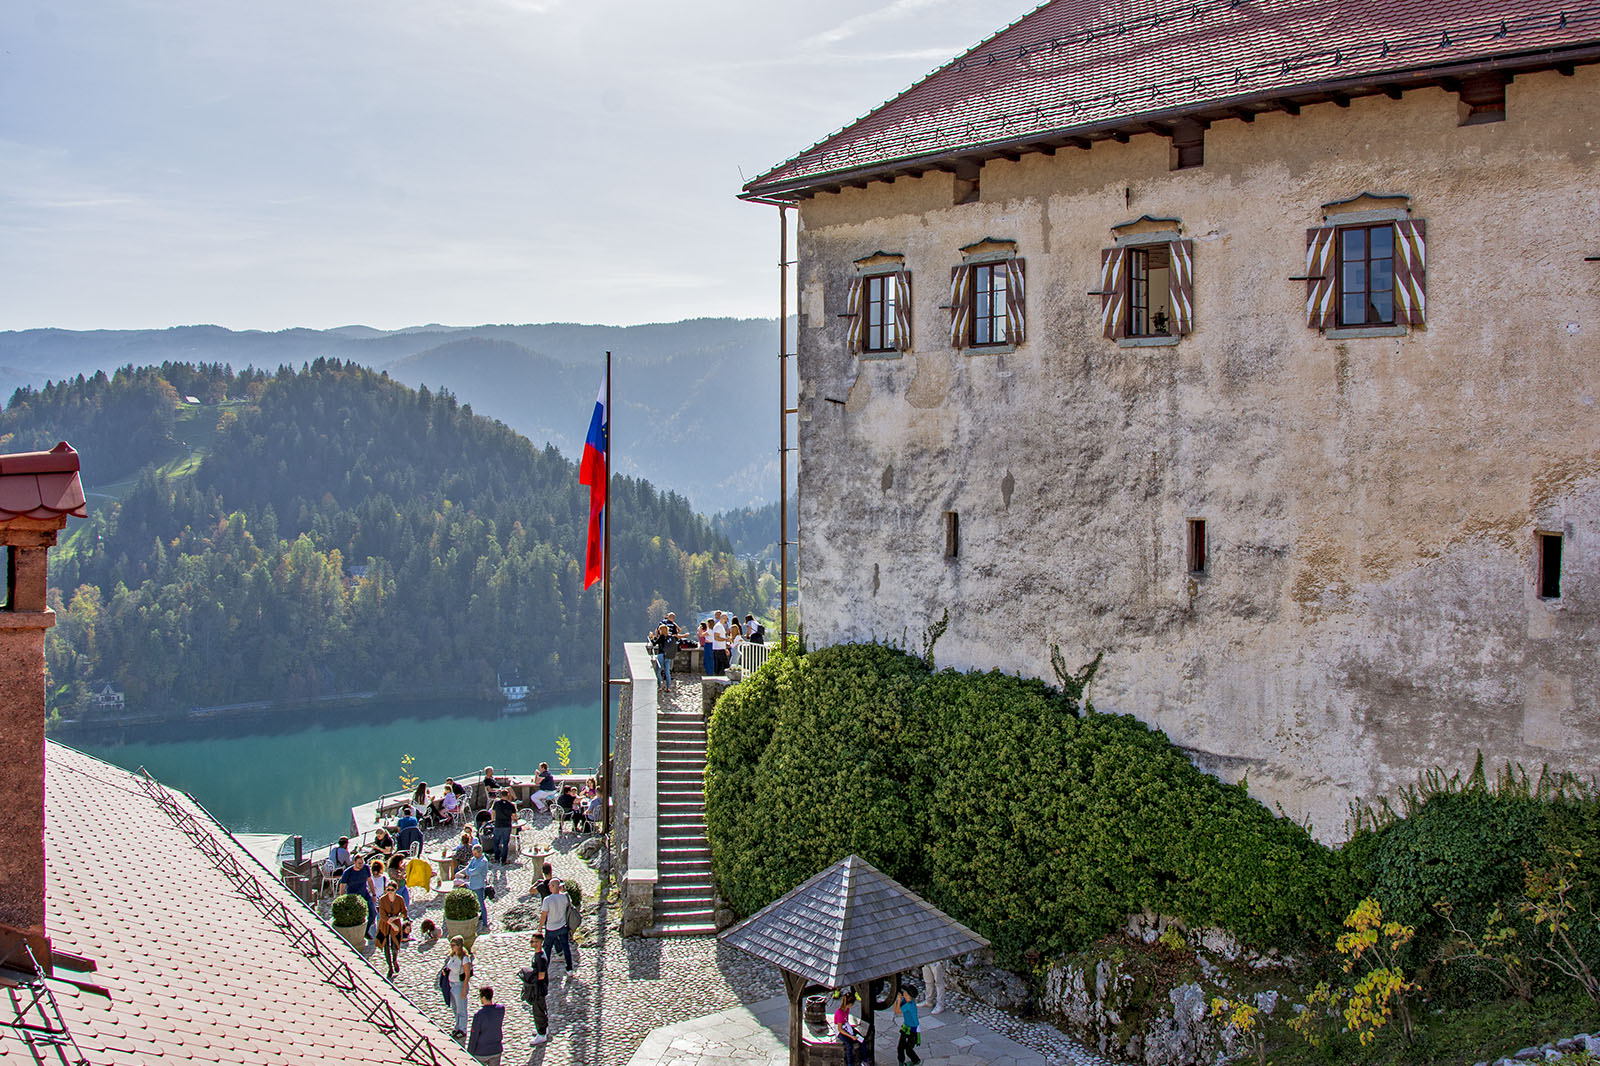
(622, 988)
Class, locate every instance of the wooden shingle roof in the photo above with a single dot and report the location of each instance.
(1074, 71)
(851, 923)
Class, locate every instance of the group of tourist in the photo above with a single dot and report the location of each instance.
(485, 1037)
(719, 639)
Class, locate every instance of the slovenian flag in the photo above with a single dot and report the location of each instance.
(592, 472)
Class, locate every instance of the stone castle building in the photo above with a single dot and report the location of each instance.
(1253, 344)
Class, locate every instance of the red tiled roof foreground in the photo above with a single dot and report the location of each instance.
(1070, 68)
(196, 973)
(41, 484)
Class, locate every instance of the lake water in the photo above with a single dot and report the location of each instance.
(303, 772)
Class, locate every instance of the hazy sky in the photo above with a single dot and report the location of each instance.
(397, 162)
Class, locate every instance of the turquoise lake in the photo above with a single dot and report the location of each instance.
(302, 773)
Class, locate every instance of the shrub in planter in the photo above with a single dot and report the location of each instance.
(351, 909)
(461, 905)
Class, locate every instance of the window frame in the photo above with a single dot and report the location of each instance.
(1339, 262)
(888, 328)
(1138, 271)
(996, 269)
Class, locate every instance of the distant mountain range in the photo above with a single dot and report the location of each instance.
(695, 401)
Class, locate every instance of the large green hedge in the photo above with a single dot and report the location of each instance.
(987, 792)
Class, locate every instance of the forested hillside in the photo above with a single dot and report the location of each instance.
(340, 532)
(696, 401)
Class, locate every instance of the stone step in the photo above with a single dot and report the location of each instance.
(682, 836)
(681, 749)
(670, 858)
(667, 907)
(683, 873)
(682, 929)
(681, 770)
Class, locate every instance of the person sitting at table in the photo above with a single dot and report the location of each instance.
(419, 795)
(382, 842)
(591, 812)
(463, 852)
(488, 786)
(591, 789)
(407, 819)
(409, 840)
(449, 807)
(396, 874)
(339, 856)
(544, 788)
(569, 811)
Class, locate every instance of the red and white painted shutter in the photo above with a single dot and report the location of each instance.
(856, 328)
(1321, 310)
(1410, 272)
(960, 306)
(1180, 286)
(902, 310)
(1114, 292)
(1016, 301)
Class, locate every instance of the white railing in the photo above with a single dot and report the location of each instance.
(751, 656)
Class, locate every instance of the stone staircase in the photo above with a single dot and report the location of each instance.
(683, 894)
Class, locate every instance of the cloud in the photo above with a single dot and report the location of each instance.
(893, 12)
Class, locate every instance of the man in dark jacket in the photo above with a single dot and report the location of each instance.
(535, 989)
(485, 1042)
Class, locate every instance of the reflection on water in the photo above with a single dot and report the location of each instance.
(301, 773)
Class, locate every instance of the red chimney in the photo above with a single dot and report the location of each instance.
(38, 490)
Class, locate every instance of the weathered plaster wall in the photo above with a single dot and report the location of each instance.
(1371, 503)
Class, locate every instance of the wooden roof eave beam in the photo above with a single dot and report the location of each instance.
(1560, 60)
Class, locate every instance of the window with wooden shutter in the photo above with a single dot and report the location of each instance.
(1321, 309)
(902, 310)
(1016, 300)
(1114, 292)
(1410, 272)
(960, 306)
(855, 329)
(1180, 287)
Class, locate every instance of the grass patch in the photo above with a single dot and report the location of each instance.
(1454, 1037)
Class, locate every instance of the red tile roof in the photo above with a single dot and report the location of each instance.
(196, 972)
(41, 484)
(1068, 69)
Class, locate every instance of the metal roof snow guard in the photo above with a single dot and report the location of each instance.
(1064, 75)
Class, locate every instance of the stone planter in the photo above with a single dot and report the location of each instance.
(467, 930)
(355, 935)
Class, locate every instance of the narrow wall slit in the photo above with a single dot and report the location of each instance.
(1549, 566)
(1197, 546)
(952, 534)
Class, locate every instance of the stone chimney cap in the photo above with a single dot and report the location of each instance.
(41, 485)
(62, 459)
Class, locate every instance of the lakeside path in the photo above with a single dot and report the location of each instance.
(669, 1001)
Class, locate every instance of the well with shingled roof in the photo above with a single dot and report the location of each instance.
(850, 926)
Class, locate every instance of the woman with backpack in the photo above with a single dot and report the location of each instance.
(456, 977)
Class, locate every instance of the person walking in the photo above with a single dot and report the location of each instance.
(554, 912)
(487, 1039)
(477, 875)
(933, 981)
(357, 880)
(535, 988)
(391, 925)
(664, 645)
(910, 1032)
(458, 973)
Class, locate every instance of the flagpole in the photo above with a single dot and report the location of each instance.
(605, 627)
